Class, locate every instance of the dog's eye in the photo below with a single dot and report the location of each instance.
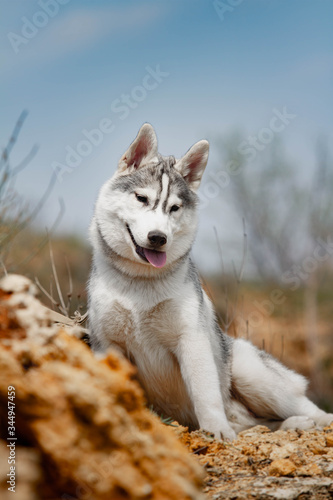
(142, 199)
(174, 208)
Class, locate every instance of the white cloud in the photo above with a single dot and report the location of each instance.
(81, 29)
(76, 30)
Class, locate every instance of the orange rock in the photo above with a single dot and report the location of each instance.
(329, 440)
(316, 448)
(86, 418)
(309, 470)
(282, 467)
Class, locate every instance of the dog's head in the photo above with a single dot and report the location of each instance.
(146, 213)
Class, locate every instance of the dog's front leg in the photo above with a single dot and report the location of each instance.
(201, 378)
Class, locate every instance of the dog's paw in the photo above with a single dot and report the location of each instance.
(225, 434)
(324, 419)
(302, 423)
(217, 424)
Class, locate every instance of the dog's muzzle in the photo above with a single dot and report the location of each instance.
(151, 255)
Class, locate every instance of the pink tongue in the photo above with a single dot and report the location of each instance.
(157, 259)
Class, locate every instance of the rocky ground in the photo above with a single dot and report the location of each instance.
(83, 431)
(261, 464)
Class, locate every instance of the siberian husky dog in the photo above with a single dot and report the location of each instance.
(146, 300)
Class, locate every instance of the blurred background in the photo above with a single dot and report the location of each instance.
(254, 77)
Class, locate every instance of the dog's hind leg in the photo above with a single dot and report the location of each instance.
(272, 392)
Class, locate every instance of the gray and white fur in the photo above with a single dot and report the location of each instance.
(146, 300)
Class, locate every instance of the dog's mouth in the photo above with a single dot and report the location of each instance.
(153, 257)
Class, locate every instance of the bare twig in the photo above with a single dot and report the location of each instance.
(219, 248)
(13, 138)
(23, 164)
(3, 267)
(70, 292)
(45, 240)
(48, 295)
(33, 214)
(80, 318)
(245, 249)
(54, 303)
(56, 279)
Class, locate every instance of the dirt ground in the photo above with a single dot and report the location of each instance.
(264, 465)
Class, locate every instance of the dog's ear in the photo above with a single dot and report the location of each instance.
(192, 165)
(142, 149)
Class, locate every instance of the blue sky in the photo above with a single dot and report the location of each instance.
(220, 73)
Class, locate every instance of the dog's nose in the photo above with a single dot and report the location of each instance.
(157, 238)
